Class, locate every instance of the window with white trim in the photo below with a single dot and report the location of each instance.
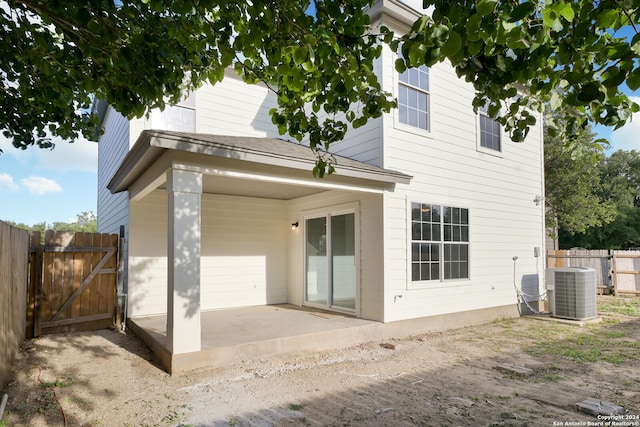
(439, 242)
(489, 130)
(180, 117)
(413, 97)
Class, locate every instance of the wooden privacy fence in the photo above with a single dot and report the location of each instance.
(616, 270)
(14, 250)
(72, 282)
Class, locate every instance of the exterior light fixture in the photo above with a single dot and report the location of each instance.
(294, 225)
(538, 199)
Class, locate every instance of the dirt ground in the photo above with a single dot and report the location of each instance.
(106, 378)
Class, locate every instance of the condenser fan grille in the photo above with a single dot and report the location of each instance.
(572, 292)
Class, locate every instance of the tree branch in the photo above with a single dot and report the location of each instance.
(626, 12)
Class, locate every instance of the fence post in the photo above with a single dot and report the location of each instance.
(31, 288)
(614, 272)
(36, 240)
(120, 283)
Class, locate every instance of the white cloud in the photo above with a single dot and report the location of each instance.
(40, 185)
(628, 136)
(7, 148)
(6, 181)
(81, 155)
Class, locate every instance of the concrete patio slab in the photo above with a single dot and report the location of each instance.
(228, 336)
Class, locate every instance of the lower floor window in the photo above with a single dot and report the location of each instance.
(439, 242)
(456, 261)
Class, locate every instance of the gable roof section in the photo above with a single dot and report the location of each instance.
(266, 151)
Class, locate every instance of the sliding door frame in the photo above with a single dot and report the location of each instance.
(329, 212)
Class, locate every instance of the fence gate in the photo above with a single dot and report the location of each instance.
(72, 282)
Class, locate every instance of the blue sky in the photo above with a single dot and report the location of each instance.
(48, 185)
(627, 137)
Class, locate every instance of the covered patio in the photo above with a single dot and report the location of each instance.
(218, 223)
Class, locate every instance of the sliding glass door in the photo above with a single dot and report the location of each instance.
(343, 261)
(316, 261)
(330, 261)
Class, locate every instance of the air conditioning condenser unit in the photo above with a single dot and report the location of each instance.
(572, 292)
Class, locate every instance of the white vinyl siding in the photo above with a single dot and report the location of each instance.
(448, 168)
(365, 143)
(250, 255)
(113, 146)
(243, 253)
(148, 256)
(232, 107)
(112, 149)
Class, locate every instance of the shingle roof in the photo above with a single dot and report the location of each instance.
(271, 147)
(271, 151)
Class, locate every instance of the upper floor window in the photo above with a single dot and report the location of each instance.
(413, 97)
(489, 131)
(180, 117)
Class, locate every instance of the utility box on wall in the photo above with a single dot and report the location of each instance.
(572, 292)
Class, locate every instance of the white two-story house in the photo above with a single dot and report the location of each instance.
(431, 215)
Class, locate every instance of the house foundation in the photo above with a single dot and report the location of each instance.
(231, 336)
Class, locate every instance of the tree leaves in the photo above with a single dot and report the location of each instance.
(615, 182)
(633, 80)
(572, 187)
(452, 45)
(485, 7)
(144, 54)
(560, 54)
(521, 11)
(607, 18)
(300, 54)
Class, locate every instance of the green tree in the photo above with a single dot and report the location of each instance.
(572, 186)
(19, 225)
(86, 221)
(619, 176)
(142, 54)
(623, 232)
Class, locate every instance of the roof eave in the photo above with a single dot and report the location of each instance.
(395, 9)
(137, 157)
(273, 159)
(152, 144)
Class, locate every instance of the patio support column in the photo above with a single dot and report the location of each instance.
(184, 190)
